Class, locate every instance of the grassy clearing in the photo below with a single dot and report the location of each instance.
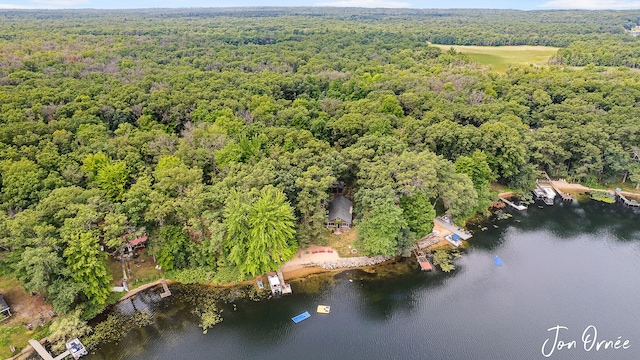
(18, 336)
(500, 57)
(13, 332)
(345, 243)
(143, 270)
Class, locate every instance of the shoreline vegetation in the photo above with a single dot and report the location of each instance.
(310, 262)
(219, 138)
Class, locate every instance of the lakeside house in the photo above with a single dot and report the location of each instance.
(5, 310)
(135, 244)
(340, 214)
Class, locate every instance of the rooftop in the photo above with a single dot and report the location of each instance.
(341, 208)
(3, 304)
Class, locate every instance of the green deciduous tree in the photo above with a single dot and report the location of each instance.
(112, 178)
(311, 204)
(65, 329)
(88, 266)
(21, 184)
(477, 168)
(260, 230)
(381, 229)
(38, 268)
(419, 213)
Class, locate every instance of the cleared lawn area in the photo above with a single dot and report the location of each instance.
(25, 309)
(142, 270)
(500, 57)
(345, 243)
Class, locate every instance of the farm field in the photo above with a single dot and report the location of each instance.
(500, 57)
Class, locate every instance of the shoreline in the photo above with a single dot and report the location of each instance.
(323, 259)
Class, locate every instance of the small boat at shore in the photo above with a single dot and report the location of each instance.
(305, 315)
(260, 284)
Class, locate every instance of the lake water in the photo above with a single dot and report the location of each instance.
(570, 264)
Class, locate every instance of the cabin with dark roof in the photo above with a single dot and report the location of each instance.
(340, 214)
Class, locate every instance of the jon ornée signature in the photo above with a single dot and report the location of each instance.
(589, 341)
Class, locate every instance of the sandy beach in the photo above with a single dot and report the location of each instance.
(570, 187)
(303, 263)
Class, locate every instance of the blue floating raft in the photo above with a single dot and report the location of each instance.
(303, 316)
(497, 260)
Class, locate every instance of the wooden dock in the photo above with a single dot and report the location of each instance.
(425, 265)
(564, 196)
(517, 207)
(166, 292)
(286, 287)
(627, 201)
(454, 229)
(44, 354)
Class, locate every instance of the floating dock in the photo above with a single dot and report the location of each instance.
(305, 315)
(497, 260)
(323, 309)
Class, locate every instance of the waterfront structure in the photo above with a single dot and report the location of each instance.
(545, 193)
(278, 285)
(76, 349)
(447, 223)
(626, 201)
(454, 239)
(425, 265)
(165, 293)
(517, 207)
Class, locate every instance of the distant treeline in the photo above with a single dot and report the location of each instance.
(607, 52)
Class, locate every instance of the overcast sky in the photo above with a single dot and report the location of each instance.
(420, 4)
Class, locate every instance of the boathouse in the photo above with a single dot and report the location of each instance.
(340, 213)
(5, 311)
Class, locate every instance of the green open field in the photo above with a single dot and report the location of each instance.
(500, 57)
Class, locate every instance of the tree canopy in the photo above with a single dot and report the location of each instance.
(221, 133)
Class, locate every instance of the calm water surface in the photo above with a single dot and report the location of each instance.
(570, 264)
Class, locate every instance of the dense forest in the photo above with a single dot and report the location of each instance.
(221, 133)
